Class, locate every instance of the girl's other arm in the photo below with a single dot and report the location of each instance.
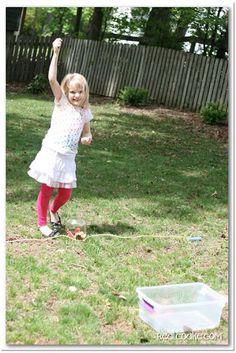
(86, 136)
(52, 73)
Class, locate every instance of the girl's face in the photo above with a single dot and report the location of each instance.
(76, 94)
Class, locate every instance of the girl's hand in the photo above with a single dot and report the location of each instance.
(86, 140)
(57, 45)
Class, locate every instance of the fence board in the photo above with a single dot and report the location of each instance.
(91, 63)
(29, 58)
(9, 54)
(128, 79)
(123, 75)
(181, 81)
(168, 78)
(203, 83)
(108, 75)
(188, 68)
(201, 64)
(176, 63)
(151, 67)
(103, 67)
(213, 80)
(155, 77)
(159, 73)
(163, 73)
(70, 56)
(217, 80)
(120, 68)
(208, 81)
(74, 56)
(141, 66)
(33, 66)
(115, 72)
(224, 95)
(94, 61)
(190, 80)
(173, 78)
(39, 55)
(99, 63)
(133, 67)
(223, 75)
(13, 72)
(22, 59)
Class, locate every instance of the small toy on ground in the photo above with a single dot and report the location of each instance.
(76, 228)
(195, 238)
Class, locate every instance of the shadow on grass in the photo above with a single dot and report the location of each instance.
(115, 229)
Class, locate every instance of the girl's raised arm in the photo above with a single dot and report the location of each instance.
(52, 73)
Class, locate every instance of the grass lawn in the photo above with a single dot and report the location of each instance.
(149, 172)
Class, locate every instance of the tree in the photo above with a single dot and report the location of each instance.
(222, 45)
(173, 27)
(158, 29)
(210, 29)
(197, 29)
(78, 21)
(181, 22)
(34, 21)
(95, 24)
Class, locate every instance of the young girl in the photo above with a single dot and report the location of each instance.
(54, 165)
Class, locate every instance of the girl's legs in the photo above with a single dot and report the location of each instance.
(44, 196)
(63, 195)
(42, 209)
(42, 204)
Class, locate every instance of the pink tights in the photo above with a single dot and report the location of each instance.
(62, 196)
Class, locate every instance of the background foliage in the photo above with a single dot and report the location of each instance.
(197, 29)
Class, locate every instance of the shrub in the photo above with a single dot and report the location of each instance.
(214, 113)
(133, 96)
(38, 84)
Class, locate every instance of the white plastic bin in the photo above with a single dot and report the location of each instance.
(180, 307)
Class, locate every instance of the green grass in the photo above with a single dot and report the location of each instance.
(148, 172)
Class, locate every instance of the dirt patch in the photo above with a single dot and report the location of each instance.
(96, 100)
(193, 120)
(118, 325)
(16, 87)
(35, 247)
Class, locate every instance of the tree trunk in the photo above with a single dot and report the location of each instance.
(95, 25)
(213, 37)
(192, 47)
(222, 46)
(157, 31)
(206, 33)
(78, 21)
(22, 20)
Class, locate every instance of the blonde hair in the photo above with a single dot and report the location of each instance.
(81, 81)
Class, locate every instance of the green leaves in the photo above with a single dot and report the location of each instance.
(133, 96)
(214, 113)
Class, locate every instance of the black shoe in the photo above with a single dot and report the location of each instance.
(57, 226)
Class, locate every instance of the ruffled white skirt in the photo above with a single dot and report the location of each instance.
(53, 169)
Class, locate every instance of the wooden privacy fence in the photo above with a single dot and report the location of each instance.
(173, 78)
